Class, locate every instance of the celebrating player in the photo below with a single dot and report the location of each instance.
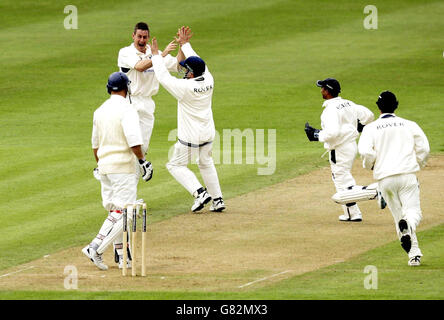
(395, 148)
(341, 122)
(195, 123)
(135, 62)
(117, 146)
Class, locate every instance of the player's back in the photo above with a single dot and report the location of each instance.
(340, 120)
(195, 115)
(113, 152)
(394, 143)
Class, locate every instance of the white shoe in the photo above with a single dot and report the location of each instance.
(406, 238)
(85, 251)
(201, 200)
(97, 259)
(128, 263)
(218, 205)
(351, 214)
(355, 218)
(415, 261)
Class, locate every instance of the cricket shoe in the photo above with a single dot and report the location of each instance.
(218, 205)
(351, 213)
(348, 218)
(381, 202)
(406, 239)
(128, 263)
(415, 261)
(97, 259)
(85, 251)
(202, 199)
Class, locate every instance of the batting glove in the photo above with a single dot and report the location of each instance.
(96, 174)
(312, 133)
(147, 169)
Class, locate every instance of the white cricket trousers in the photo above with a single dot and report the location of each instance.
(145, 109)
(118, 190)
(178, 163)
(341, 163)
(401, 192)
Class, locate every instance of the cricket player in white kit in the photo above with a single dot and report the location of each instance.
(195, 123)
(341, 122)
(135, 61)
(117, 146)
(395, 149)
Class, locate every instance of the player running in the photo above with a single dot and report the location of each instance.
(395, 149)
(195, 123)
(341, 122)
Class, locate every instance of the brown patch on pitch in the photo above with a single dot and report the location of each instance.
(289, 228)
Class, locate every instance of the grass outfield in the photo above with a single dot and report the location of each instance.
(395, 280)
(265, 57)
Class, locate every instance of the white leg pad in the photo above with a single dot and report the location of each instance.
(115, 232)
(355, 194)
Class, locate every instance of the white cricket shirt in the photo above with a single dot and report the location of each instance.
(142, 83)
(194, 114)
(339, 121)
(392, 145)
(115, 130)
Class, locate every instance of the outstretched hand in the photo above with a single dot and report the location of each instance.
(169, 48)
(183, 35)
(154, 46)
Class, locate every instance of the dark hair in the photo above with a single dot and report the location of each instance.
(387, 102)
(141, 26)
(334, 93)
(387, 108)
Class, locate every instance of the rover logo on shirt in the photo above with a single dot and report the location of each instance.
(203, 89)
(389, 125)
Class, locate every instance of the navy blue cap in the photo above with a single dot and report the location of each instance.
(331, 84)
(117, 81)
(194, 64)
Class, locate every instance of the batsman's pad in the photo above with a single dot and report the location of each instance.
(114, 232)
(356, 194)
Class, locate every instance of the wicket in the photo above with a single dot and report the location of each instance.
(134, 208)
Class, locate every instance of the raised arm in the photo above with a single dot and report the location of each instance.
(184, 35)
(127, 61)
(174, 86)
(170, 62)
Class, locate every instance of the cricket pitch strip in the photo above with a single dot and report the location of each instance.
(263, 237)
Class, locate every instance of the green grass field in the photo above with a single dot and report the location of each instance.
(265, 57)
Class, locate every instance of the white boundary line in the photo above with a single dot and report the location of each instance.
(263, 279)
(8, 274)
